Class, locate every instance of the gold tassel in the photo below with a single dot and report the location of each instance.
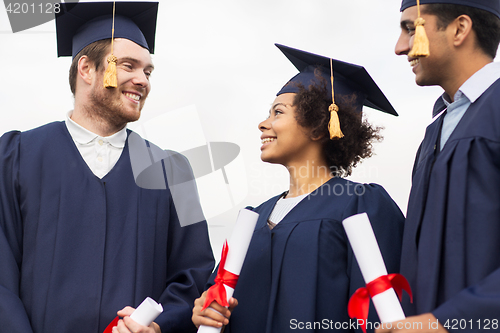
(420, 41)
(110, 80)
(334, 124)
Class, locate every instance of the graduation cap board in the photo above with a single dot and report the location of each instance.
(80, 24)
(348, 79)
(492, 6)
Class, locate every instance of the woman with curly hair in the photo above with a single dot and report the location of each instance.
(300, 270)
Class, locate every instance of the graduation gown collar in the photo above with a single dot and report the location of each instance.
(439, 106)
(268, 206)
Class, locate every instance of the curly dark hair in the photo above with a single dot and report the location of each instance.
(343, 154)
(485, 24)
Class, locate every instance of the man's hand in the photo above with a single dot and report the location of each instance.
(209, 317)
(127, 325)
(425, 323)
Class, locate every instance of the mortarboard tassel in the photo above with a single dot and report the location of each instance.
(334, 124)
(420, 41)
(110, 80)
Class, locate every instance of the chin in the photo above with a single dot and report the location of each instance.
(132, 116)
(265, 158)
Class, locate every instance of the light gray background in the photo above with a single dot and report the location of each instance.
(219, 58)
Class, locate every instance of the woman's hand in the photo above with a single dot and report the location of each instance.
(215, 315)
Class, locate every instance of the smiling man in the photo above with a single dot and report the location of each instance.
(451, 245)
(79, 240)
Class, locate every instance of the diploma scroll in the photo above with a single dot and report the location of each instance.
(233, 256)
(379, 285)
(144, 314)
(147, 312)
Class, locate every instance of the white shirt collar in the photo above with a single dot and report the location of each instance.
(83, 136)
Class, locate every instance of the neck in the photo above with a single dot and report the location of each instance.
(463, 72)
(90, 120)
(307, 177)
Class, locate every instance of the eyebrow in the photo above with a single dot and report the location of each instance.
(149, 66)
(277, 104)
(406, 23)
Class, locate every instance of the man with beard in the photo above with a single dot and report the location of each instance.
(79, 240)
(451, 239)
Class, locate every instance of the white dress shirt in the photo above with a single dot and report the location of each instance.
(100, 153)
(467, 94)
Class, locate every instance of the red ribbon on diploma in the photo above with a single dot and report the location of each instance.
(217, 292)
(359, 303)
(111, 325)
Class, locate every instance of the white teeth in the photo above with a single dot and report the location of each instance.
(414, 62)
(133, 96)
(266, 140)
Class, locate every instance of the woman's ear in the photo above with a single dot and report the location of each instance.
(318, 137)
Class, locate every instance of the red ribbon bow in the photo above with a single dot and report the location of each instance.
(359, 303)
(217, 292)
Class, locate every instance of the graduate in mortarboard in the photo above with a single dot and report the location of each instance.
(300, 270)
(451, 244)
(79, 240)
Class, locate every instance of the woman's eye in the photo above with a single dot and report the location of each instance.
(277, 112)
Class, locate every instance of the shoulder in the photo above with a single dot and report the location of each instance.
(46, 131)
(34, 135)
(9, 144)
(373, 199)
(348, 190)
(146, 155)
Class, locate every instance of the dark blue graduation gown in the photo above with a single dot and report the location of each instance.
(304, 271)
(74, 248)
(451, 245)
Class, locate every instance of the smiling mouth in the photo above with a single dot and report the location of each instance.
(267, 140)
(132, 96)
(414, 62)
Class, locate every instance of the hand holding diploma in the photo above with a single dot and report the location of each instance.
(380, 286)
(138, 320)
(215, 315)
(233, 256)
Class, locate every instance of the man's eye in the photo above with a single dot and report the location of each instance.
(410, 30)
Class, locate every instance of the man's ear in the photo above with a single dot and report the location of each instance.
(462, 26)
(86, 69)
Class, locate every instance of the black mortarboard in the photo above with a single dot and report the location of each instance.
(492, 6)
(80, 24)
(348, 79)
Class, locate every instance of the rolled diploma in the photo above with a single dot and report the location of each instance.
(147, 312)
(367, 253)
(238, 246)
